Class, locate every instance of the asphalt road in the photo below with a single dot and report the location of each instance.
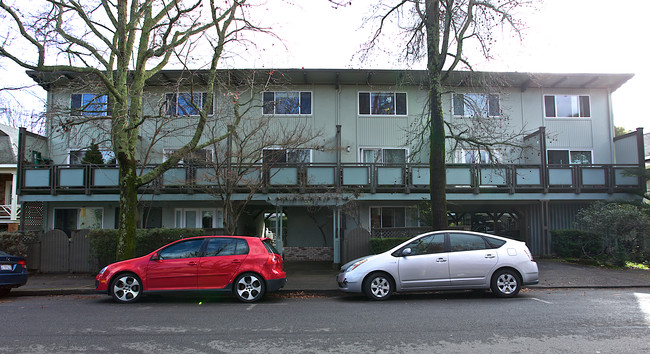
(549, 321)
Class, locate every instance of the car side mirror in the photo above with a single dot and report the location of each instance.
(406, 252)
(155, 257)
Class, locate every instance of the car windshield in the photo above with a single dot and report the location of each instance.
(269, 246)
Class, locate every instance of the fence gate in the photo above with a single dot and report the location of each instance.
(356, 244)
(55, 252)
(60, 253)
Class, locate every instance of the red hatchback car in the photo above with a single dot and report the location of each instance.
(247, 266)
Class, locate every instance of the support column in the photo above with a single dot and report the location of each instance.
(278, 229)
(14, 197)
(336, 219)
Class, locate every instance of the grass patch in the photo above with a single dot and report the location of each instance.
(632, 265)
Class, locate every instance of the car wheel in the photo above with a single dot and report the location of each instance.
(378, 286)
(249, 287)
(126, 288)
(4, 292)
(505, 283)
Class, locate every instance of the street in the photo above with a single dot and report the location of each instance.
(582, 321)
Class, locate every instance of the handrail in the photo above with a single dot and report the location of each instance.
(357, 177)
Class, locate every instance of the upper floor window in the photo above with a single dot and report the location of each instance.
(567, 106)
(383, 155)
(566, 157)
(202, 156)
(89, 104)
(476, 105)
(271, 156)
(76, 157)
(185, 103)
(287, 102)
(476, 156)
(382, 103)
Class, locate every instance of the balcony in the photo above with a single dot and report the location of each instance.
(358, 177)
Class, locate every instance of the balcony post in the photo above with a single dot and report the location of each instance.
(14, 197)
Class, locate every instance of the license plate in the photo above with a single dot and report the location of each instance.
(5, 267)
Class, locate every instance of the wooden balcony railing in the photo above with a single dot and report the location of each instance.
(359, 177)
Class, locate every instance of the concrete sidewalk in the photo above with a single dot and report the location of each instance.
(319, 277)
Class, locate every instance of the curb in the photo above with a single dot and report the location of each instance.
(297, 292)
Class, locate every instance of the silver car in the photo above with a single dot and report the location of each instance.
(443, 260)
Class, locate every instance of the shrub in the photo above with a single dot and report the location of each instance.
(622, 230)
(575, 244)
(103, 242)
(379, 245)
(15, 243)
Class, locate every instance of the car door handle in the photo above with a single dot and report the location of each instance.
(489, 255)
(441, 260)
(191, 263)
(236, 261)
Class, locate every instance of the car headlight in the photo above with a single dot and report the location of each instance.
(355, 265)
(103, 270)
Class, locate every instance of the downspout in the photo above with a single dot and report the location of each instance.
(612, 150)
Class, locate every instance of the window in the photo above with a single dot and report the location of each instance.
(382, 103)
(384, 155)
(386, 217)
(465, 242)
(76, 156)
(565, 106)
(68, 219)
(226, 247)
(183, 249)
(89, 104)
(476, 156)
(199, 218)
(476, 105)
(199, 157)
(186, 103)
(287, 102)
(566, 157)
(427, 245)
(273, 156)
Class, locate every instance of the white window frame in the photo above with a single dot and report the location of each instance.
(107, 155)
(181, 222)
(181, 161)
(580, 116)
(459, 156)
(79, 111)
(78, 215)
(394, 93)
(311, 104)
(381, 150)
(569, 151)
(286, 151)
(394, 206)
(486, 113)
(198, 106)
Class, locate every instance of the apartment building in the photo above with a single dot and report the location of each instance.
(321, 160)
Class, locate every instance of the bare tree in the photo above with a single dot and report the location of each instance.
(119, 45)
(438, 32)
(248, 157)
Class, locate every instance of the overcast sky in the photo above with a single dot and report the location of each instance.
(577, 36)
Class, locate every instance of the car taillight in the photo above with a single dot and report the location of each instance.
(23, 263)
(274, 259)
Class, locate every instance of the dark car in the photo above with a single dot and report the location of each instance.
(13, 272)
(246, 266)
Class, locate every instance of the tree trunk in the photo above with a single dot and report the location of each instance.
(128, 210)
(437, 166)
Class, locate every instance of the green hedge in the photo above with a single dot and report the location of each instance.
(15, 243)
(575, 244)
(103, 242)
(379, 245)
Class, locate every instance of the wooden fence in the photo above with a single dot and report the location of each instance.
(55, 252)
